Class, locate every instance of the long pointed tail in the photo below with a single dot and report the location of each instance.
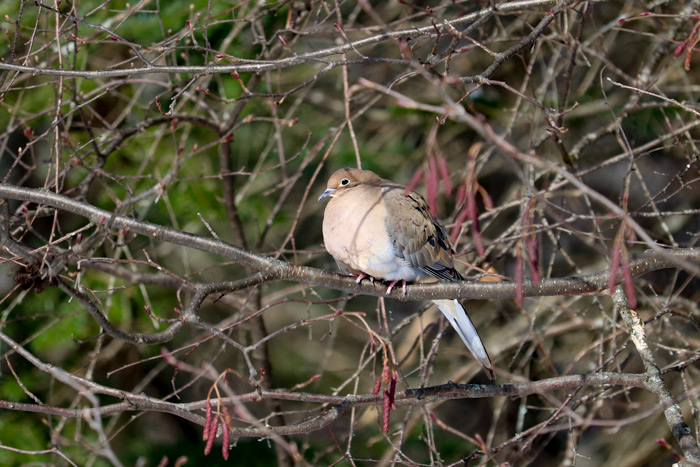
(458, 318)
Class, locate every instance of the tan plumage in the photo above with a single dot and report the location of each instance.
(372, 226)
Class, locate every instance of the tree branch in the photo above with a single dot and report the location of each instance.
(272, 269)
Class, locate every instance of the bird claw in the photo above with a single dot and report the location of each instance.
(362, 276)
(393, 283)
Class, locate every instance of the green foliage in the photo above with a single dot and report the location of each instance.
(18, 431)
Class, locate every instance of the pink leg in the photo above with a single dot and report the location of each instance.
(393, 283)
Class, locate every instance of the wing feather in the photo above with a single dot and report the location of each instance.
(419, 238)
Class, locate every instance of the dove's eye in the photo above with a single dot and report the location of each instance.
(344, 182)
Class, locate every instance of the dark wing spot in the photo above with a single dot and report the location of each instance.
(441, 237)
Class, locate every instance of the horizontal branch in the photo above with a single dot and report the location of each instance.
(341, 404)
(272, 269)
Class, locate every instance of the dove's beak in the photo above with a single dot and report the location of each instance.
(328, 192)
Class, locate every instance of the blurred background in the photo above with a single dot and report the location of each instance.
(225, 119)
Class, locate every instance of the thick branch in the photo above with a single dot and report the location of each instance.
(655, 384)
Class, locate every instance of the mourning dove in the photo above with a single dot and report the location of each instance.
(374, 227)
